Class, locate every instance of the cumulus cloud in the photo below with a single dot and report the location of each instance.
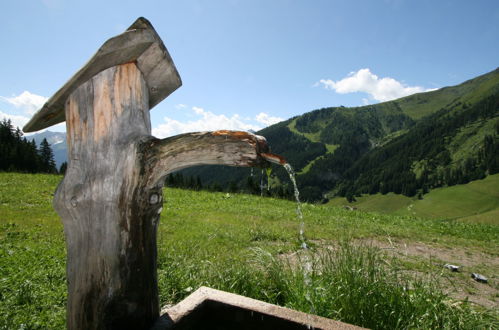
(17, 121)
(206, 121)
(26, 101)
(379, 89)
(266, 119)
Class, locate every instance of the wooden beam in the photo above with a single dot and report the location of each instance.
(139, 44)
(233, 148)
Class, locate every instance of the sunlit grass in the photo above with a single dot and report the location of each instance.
(246, 245)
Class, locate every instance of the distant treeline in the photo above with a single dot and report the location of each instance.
(18, 154)
(255, 185)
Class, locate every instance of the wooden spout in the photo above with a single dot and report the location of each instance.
(232, 148)
(273, 158)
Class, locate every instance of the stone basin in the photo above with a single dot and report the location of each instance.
(212, 309)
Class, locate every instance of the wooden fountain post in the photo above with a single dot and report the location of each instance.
(110, 199)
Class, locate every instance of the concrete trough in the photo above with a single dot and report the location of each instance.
(212, 309)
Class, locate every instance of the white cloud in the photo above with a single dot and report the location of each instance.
(20, 121)
(180, 106)
(207, 121)
(26, 101)
(17, 121)
(266, 119)
(379, 89)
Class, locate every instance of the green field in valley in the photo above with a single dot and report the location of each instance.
(477, 201)
(375, 270)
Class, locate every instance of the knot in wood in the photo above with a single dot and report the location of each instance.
(154, 198)
(73, 201)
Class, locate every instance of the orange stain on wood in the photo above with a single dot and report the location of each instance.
(102, 105)
(273, 158)
(74, 125)
(113, 90)
(234, 134)
(127, 86)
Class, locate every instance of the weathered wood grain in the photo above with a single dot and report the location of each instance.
(233, 148)
(107, 219)
(111, 196)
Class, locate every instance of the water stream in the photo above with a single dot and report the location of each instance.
(306, 262)
(299, 213)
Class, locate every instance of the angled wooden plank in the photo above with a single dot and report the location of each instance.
(140, 44)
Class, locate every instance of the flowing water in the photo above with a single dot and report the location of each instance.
(306, 260)
(299, 213)
(276, 159)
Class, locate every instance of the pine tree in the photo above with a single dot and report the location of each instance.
(47, 158)
(63, 168)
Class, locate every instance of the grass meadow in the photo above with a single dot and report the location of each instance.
(477, 201)
(374, 270)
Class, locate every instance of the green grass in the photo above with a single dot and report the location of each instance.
(461, 201)
(486, 217)
(246, 245)
(388, 203)
(313, 137)
(477, 201)
(32, 254)
(330, 149)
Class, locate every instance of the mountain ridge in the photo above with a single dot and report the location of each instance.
(324, 144)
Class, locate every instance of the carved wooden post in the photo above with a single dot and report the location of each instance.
(110, 199)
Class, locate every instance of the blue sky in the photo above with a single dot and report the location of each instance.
(247, 64)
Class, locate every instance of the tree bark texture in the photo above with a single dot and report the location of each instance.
(111, 196)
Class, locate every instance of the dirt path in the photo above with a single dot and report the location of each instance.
(421, 259)
(459, 285)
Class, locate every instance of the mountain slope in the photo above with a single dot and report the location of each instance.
(408, 145)
(429, 155)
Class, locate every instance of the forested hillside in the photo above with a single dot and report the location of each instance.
(18, 154)
(406, 146)
(428, 156)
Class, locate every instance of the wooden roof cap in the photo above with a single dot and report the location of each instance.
(139, 43)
